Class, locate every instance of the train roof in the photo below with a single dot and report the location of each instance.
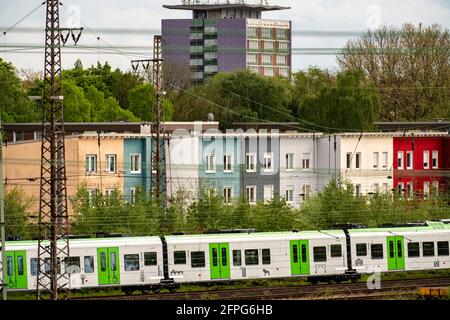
(426, 226)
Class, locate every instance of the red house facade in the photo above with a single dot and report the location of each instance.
(421, 164)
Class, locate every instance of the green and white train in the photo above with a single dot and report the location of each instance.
(152, 263)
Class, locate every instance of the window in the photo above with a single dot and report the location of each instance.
(109, 193)
(409, 160)
(211, 163)
(376, 160)
(435, 159)
(358, 190)
(268, 45)
(376, 188)
(426, 189)
(72, 265)
(196, 36)
(111, 163)
(210, 42)
(150, 259)
(349, 160)
(443, 249)
(18, 136)
(214, 257)
(91, 164)
(89, 264)
(20, 265)
(304, 257)
(196, 62)
(361, 250)
(306, 191)
(435, 186)
(266, 256)
(428, 249)
(34, 266)
(135, 163)
(268, 162)
(9, 263)
(224, 257)
(37, 135)
(251, 257)
(281, 34)
(413, 250)
(377, 251)
(320, 254)
(179, 257)
(251, 32)
(211, 193)
(400, 160)
(227, 195)
(295, 253)
(410, 190)
(283, 46)
(289, 161)
(267, 33)
(266, 59)
(251, 194)
(252, 59)
(228, 163)
(268, 193)
(385, 160)
(290, 194)
(210, 29)
(198, 259)
(48, 268)
(210, 55)
(211, 69)
(103, 262)
(268, 72)
(251, 162)
(284, 72)
(358, 161)
(253, 45)
(132, 195)
(92, 195)
(237, 258)
(336, 250)
(131, 262)
(112, 258)
(281, 60)
(306, 163)
(426, 159)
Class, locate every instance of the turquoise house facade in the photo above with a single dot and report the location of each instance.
(137, 162)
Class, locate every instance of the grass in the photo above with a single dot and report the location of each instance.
(267, 283)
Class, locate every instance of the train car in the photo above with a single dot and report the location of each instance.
(93, 263)
(413, 248)
(228, 257)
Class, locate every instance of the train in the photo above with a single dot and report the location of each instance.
(153, 263)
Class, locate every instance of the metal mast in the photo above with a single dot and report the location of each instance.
(158, 169)
(53, 242)
(2, 226)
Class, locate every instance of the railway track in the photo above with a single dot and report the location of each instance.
(302, 292)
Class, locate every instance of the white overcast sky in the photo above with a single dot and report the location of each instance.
(306, 15)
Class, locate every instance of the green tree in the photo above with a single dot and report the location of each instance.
(142, 102)
(14, 103)
(17, 213)
(326, 105)
(77, 107)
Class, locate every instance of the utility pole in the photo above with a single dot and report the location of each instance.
(2, 226)
(53, 241)
(158, 167)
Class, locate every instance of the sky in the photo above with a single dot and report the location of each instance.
(100, 17)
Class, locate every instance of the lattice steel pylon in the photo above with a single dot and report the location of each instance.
(158, 175)
(53, 242)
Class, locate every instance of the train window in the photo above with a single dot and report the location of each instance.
(428, 249)
(33, 264)
(266, 256)
(320, 254)
(443, 248)
(304, 258)
(214, 257)
(377, 251)
(237, 258)
(131, 262)
(198, 259)
(251, 257)
(112, 258)
(103, 262)
(391, 249)
(224, 257)
(9, 263)
(48, 265)
(399, 249)
(179, 257)
(150, 258)
(336, 251)
(89, 264)
(413, 250)
(361, 250)
(295, 253)
(72, 265)
(20, 265)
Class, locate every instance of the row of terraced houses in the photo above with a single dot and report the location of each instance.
(256, 164)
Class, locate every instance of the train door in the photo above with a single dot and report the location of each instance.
(396, 253)
(16, 270)
(219, 260)
(108, 266)
(300, 257)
